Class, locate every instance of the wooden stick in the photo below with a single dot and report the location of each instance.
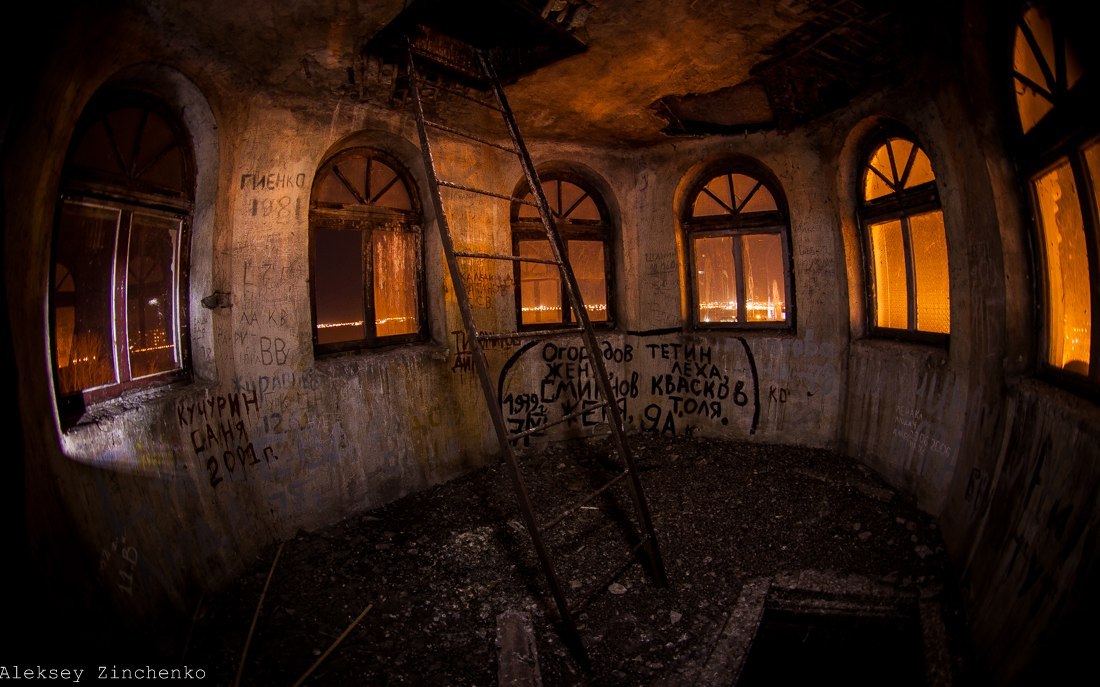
(334, 645)
(255, 617)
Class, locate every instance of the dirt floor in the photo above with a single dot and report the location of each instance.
(438, 567)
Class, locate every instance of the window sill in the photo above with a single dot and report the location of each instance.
(121, 434)
(106, 411)
(936, 354)
(1077, 385)
(762, 329)
(424, 351)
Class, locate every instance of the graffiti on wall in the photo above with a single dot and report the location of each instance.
(688, 387)
(670, 387)
(567, 387)
(662, 269)
(463, 357)
(274, 196)
(119, 562)
(915, 431)
(217, 427)
(484, 287)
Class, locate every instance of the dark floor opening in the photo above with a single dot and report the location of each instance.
(792, 647)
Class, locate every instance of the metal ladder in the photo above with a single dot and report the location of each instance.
(507, 439)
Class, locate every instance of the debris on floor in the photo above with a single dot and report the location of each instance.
(442, 565)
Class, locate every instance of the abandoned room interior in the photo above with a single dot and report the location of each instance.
(792, 300)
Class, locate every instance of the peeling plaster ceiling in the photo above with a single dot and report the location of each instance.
(696, 54)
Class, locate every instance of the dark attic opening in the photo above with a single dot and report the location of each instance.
(552, 342)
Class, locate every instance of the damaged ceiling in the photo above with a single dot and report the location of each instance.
(640, 70)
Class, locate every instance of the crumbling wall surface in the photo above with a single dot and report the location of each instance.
(168, 492)
(914, 408)
(904, 417)
(778, 385)
(161, 494)
(1029, 563)
(1021, 521)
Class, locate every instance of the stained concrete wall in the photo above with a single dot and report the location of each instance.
(268, 438)
(167, 493)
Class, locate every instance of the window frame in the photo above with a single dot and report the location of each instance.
(128, 196)
(736, 225)
(1060, 136)
(367, 219)
(531, 229)
(901, 205)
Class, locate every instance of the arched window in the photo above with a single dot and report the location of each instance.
(582, 221)
(738, 250)
(1060, 154)
(905, 241)
(119, 283)
(366, 254)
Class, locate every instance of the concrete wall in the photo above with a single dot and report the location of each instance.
(166, 493)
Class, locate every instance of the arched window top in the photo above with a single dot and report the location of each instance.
(905, 239)
(738, 249)
(119, 301)
(733, 194)
(366, 253)
(1044, 66)
(582, 220)
(895, 165)
(363, 178)
(131, 143)
(571, 200)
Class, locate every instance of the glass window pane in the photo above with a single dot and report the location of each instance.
(539, 285)
(761, 199)
(1039, 24)
(387, 189)
(874, 185)
(891, 283)
(586, 210)
(160, 160)
(570, 194)
(83, 325)
(1067, 271)
(333, 190)
(151, 282)
(96, 151)
(125, 123)
(587, 260)
(338, 285)
(765, 283)
(552, 190)
(1032, 104)
(1092, 162)
(395, 287)
(930, 272)
(707, 204)
(901, 148)
(528, 211)
(920, 172)
(715, 279)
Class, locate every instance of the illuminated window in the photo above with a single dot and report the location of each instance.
(736, 236)
(910, 291)
(365, 253)
(1061, 157)
(582, 221)
(119, 297)
(1044, 68)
